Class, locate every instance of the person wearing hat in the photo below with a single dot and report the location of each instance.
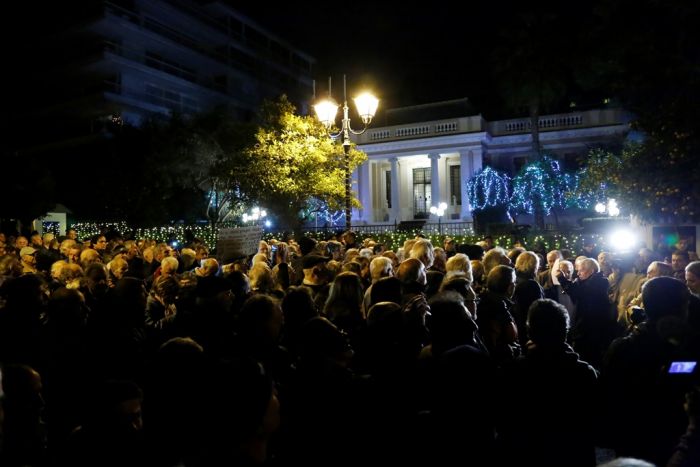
(28, 259)
(316, 277)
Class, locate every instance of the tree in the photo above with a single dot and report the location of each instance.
(488, 188)
(542, 186)
(489, 194)
(293, 160)
(27, 191)
(670, 192)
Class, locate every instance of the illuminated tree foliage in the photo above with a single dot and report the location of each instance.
(656, 180)
(488, 189)
(543, 184)
(294, 159)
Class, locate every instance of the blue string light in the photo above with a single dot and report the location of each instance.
(488, 188)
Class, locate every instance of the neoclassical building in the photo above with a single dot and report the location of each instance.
(414, 163)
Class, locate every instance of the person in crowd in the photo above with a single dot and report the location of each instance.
(459, 263)
(692, 277)
(527, 290)
(27, 257)
(316, 277)
(545, 277)
(595, 324)
(411, 274)
(495, 319)
(642, 401)
(679, 260)
(556, 396)
(450, 247)
(379, 267)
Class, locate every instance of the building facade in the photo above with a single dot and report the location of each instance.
(415, 165)
(126, 61)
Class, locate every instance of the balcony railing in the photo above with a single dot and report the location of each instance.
(587, 119)
(435, 128)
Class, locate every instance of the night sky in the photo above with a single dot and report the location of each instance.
(405, 55)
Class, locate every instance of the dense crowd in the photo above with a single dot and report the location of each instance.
(121, 351)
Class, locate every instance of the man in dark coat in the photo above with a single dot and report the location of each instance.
(594, 324)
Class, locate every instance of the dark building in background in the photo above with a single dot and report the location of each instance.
(82, 67)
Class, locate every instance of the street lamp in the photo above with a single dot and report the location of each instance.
(326, 111)
(439, 211)
(611, 208)
(255, 215)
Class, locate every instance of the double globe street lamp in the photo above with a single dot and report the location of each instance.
(327, 110)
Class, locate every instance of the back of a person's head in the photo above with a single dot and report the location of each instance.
(693, 268)
(166, 287)
(298, 307)
(239, 282)
(384, 312)
(460, 263)
(456, 282)
(380, 266)
(499, 279)
(261, 277)
(409, 271)
(346, 288)
(353, 267)
(493, 258)
(547, 322)
(257, 311)
(450, 322)
(306, 245)
(434, 281)
(662, 269)
(423, 250)
(527, 263)
(664, 296)
(66, 308)
(386, 289)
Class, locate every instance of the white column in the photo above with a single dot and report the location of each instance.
(434, 180)
(477, 159)
(395, 192)
(364, 191)
(465, 173)
(355, 190)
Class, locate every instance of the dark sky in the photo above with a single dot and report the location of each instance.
(406, 55)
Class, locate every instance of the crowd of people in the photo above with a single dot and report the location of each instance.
(119, 351)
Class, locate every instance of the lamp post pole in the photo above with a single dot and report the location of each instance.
(326, 112)
(346, 161)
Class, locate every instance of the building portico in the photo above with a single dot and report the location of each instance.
(411, 167)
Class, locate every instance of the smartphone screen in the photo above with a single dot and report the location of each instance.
(682, 367)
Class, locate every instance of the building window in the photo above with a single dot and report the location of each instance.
(455, 185)
(421, 192)
(388, 188)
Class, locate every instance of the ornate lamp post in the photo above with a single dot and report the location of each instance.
(326, 111)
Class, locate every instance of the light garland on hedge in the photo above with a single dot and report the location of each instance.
(392, 239)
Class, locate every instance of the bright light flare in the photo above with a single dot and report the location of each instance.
(623, 240)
